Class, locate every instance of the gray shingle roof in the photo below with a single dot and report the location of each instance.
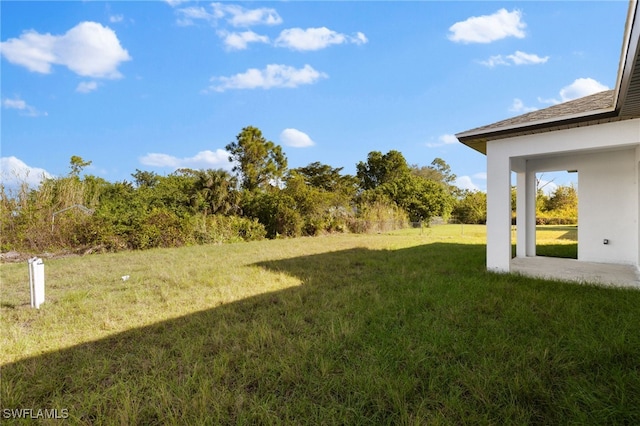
(591, 109)
(595, 102)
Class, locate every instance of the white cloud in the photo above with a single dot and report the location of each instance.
(480, 175)
(32, 50)
(114, 19)
(295, 138)
(518, 58)
(519, 107)
(189, 14)
(14, 104)
(488, 28)
(174, 3)
(22, 107)
(494, 61)
(238, 16)
(240, 41)
(522, 58)
(15, 172)
(88, 49)
(446, 139)
(87, 86)
(360, 38)
(204, 159)
(315, 38)
(465, 182)
(579, 88)
(273, 76)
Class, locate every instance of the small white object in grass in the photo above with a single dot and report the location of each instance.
(125, 277)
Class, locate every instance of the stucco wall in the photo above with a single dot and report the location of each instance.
(608, 208)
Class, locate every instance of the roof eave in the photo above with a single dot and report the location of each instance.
(478, 139)
(628, 55)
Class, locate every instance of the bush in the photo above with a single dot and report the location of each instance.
(276, 212)
(471, 208)
(223, 229)
(378, 216)
(556, 221)
(159, 228)
(565, 216)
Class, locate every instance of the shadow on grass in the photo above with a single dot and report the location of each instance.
(571, 231)
(571, 235)
(406, 336)
(566, 251)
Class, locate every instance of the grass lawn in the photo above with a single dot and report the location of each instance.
(557, 241)
(398, 328)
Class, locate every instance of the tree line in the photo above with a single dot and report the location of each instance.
(260, 198)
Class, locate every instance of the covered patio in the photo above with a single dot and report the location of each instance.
(597, 137)
(576, 271)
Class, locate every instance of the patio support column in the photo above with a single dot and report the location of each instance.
(638, 202)
(526, 214)
(498, 209)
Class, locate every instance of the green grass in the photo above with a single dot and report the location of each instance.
(557, 241)
(400, 328)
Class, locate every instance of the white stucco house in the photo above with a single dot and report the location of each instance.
(599, 137)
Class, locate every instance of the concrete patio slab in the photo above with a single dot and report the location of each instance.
(577, 271)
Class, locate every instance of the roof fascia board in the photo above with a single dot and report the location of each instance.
(627, 56)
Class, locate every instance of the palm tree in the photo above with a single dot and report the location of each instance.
(218, 190)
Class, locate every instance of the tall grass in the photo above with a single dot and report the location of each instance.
(27, 215)
(399, 328)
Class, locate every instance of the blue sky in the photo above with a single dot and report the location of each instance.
(159, 85)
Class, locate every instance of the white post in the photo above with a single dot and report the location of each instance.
(531, 194)
(638, 202)
(498, 210)
(36, 281)
(526, 214)
(521, 214)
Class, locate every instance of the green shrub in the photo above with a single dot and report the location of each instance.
(378, 216)
(566, 216)
(276, 211)
(471, 208)
(218, 229)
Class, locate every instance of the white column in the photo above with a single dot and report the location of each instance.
(530, 195)
(498, 209)
(521, 214)
(638, 203)
(526, 214)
